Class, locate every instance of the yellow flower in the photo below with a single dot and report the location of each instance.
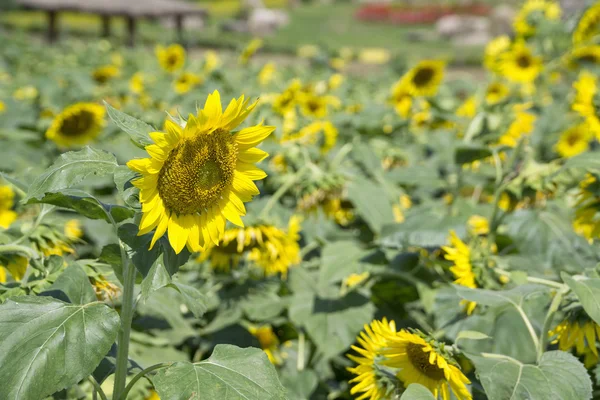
(288, 99)
(496, 92)
(402, 99)
(585, 56)
(153, 396)
(315, 106)
(268, 341)
(478, 225)
(494, 51)
(136, 83)
(533, 13)
(105, 290)
(266, 74)
(374, 56)
(460, 255)
(335, 81)
(586, 90)
(253, 46)
(520, 65)
(73, 229)
(105, 73)
(337, 63)
(53, 247)
(211, 61)
(199, 176)
(186, 81)
(588, 25)
(468, 108)
(307, 51)
(269, 248)
(522, 125)
(404, 203)
(574, 140)
(170, 58)
(16, 265)
(587, 221)
(77, 124)
(424, 78)
(371, 342)
(7, 202)
(579, 334)
(310, 134)
(2, 107)
(353, 280)
(422, 362)
(26, 93)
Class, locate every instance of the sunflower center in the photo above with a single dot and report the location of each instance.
(172, 59)
(588, 58)
(523, 61)
(574, 138)
(423, 76)
(77, 124)
(197, 172)
(420, 360)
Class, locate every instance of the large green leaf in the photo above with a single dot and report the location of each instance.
(415, 391)
(338, 260)
(230, 373)
(70, 169)
(142, 257)
(590, 160)
(558, 376)
(75, 284)
(47, 345)
(469, 153)
(587, 291)
(371, 202)
(137, 130)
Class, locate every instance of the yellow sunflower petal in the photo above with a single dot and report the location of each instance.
(251, 171)
(252, 155)
(251, 137)
(177, 233)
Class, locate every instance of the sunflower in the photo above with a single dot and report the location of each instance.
(136, 83)
(587, 218)
(310, 134)
(7, 202)
(588, 26)
(329, 200)
(105, 73)
(253, 46)
(522, 125)
(520, 64)
(586, 92)
(460, 254)
(77, 124)
(170, 58)
(186, 81)
(267, 73)
(316, 106)
(496, 92)
(16, 265)
(425, 362)
(578, 332)
(424, 78)
(199, 176)
(584, 56)
(533, 13)
(2, 107)
(211, 61)
(104, 289)
(268, 341)
(374, 55)
(267, 247)
(370, 382)
(354, 280)
(494, 51)
(574, 140)
(404, 203)
(48, 241)
(73, 230)
(468, 108)
(478, 225)
(401, 99)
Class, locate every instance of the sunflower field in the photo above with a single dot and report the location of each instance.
(199, 225)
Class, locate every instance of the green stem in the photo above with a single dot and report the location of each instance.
(533, 279)
(17, 248)
(140, 375)
(280, 192)
(97, 388)
(534, 338)
(45, 210)
(125, 328)
(301, 344)
(548, 321)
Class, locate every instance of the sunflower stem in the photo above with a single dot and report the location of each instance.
(301, 344)
(97, 388)
(142, 374)
(280, 192)
(548, 321)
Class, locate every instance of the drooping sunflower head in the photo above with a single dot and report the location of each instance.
(588, 26)
(577, 331)
(327, 195)
(423, 360)
(424, 78)
(402, 98)
(468, 108)
(50, 239)
(521, 126)
(520, 64)
(494, 51)
(533, 13)
(199, 176)
(574, 140)
(105, 73)
(268, 341)
(73, 229)
(137, 83)
(496, 92)
(77, 125)
(585, 56)
(321, 133)
(371, 380)
(586, 100)
(170, 58)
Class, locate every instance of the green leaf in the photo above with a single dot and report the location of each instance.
(85, 204)
(301, 385)
(157, 278)
(230, 373)
(75, 284)
(558, 376)
(129, 193)
(589, 161)
(423, 230)
(141, 256)
(587, 291)
(470, 153)
(70, 169)
(338, 260)
(415, 391)
(471, 335)
(111, 255)
(371, 202)
(263, 306)
(475, 127)
(191, 297)
(47, 345)
(137, 130)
